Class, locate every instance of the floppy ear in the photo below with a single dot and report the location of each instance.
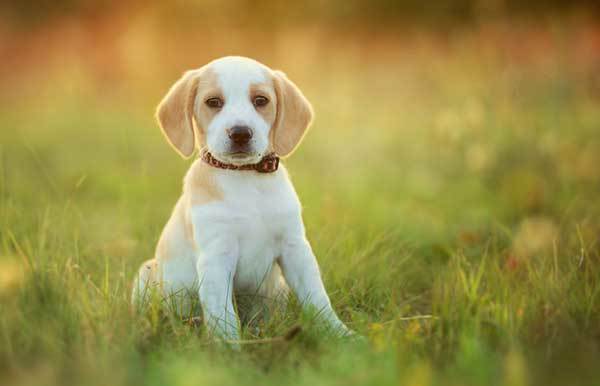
(294, 115)
(175, 114)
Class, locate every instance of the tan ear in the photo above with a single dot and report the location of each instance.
(294, 115)
(175, 114)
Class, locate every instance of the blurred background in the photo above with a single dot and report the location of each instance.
(455, 135)
(456, 114)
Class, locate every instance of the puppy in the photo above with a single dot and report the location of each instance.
(237, 228)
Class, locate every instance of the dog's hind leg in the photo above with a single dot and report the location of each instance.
(145, 282)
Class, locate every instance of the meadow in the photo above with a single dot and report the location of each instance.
(450, 185)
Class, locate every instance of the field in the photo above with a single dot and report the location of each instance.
(450, 185)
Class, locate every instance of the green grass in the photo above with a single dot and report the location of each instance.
(456, 222)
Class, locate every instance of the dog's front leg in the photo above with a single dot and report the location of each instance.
(301, 271)
(216, 270)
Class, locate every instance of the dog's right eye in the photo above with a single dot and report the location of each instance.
(214, 103)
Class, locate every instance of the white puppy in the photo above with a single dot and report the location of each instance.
(237, 229)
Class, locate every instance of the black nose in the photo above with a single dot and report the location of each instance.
(240, 135)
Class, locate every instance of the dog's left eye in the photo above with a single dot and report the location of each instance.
(260, 101)
(214, 103)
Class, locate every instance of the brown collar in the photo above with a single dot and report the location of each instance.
(268, 164)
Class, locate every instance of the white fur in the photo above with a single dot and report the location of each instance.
(249, 241)
(235, 76)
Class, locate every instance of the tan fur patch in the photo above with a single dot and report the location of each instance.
(200, 188)
(162, 249)
(200, 184)
(269, 111)
(168, 239)
(208, 87)
(294, 115)
(188, 227)
(176, 113)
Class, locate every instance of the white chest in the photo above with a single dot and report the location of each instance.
(255, 215)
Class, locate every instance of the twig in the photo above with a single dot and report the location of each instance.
(289, 335)
(407, 318)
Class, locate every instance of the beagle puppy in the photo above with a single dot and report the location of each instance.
(237, 228)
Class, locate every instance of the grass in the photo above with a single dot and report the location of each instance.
(451, 199)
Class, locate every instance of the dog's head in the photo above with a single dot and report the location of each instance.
(237, 108)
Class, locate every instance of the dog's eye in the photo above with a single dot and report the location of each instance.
(214, 103)
(260, 101)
